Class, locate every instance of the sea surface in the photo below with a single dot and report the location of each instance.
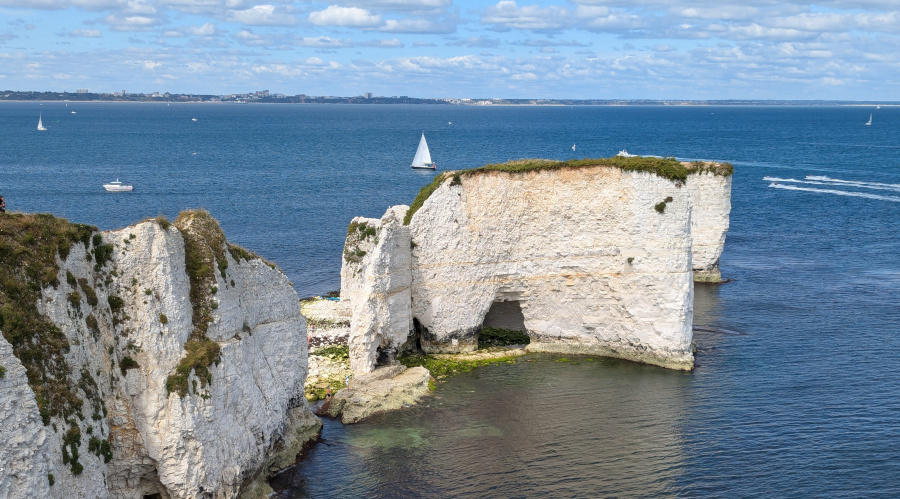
(797, 387)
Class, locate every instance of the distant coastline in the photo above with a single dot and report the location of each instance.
(264, 97)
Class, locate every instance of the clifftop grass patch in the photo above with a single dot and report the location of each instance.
(670, 168)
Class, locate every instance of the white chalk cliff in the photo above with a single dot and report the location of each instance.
(594, 259)
(214, 440)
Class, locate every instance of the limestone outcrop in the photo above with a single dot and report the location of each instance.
(185, 359)
(592, 258)
(384, 389)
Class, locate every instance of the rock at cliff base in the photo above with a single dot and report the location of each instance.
(387, 388)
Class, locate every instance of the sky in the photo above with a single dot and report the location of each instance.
(549, 49)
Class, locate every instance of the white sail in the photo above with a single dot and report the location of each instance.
(423, 156)
(870, 120)
(40, 123)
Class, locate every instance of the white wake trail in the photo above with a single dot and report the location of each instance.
(859, 183)
(866, 195)
(811, 180)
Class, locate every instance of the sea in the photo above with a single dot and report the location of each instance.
(796, 392)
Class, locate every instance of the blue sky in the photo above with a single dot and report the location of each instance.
(606, 49)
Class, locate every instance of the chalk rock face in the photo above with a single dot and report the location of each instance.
(206, 443)
(593, 265)
(378, 288)
(710, 209)
(24, 441)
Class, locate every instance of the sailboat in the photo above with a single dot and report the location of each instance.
(423, 156)
(41, 126)
(870, 120)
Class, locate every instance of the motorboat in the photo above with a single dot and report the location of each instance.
(117, 187)
(624, 154)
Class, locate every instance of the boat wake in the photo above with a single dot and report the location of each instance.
(834, 182)
(776, 185)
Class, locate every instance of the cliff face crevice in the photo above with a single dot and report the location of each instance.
(137, 437)
(600, 259)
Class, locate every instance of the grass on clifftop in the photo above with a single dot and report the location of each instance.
(669, 168)
(29, 246)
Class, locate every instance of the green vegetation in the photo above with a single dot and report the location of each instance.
(29, 246)
(324, 323)
(204, 251)
(630, 259)
(70, 443)
(163, 222)
(51, 479)
(365, 231)
(102, 252)
(423, 196)
(445, 366)
(74, 299)
(91, 322)
(661, 206)
(100, 448)
(669, 168)
(2, 371)
(334, 352)
(115, 303)
(163, 319)
(88, 291)
(356, 233)
(497, 337)
(126, 364)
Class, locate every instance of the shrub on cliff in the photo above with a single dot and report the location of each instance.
(29, 247)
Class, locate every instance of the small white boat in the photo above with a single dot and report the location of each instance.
(73, 112)
(870, 120)
(573, 147)
(117, 187)
(624, 153)
(193, 119)
(41, 126)
(422, 160)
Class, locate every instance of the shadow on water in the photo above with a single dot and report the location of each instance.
(563, 426)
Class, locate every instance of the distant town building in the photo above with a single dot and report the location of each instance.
(368, 95)
(81, 91)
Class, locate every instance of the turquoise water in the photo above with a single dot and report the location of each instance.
(795, 393)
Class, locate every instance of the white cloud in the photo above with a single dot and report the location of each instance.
(477, 41)
(508, 14)
(131, 23)
(402, 5)
(86, 33)
(344, 16)
(208, 29)
(263, 15)
(419, 26)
